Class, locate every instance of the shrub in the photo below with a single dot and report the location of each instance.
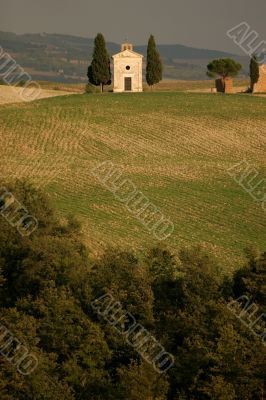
(89, 88)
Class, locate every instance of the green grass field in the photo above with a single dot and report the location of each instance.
(176, 147)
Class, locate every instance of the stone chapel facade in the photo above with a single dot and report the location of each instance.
(127, 70)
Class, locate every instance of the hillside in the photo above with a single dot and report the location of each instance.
(175, 147)
(65, 58)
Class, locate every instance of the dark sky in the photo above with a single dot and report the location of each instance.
(199, 23)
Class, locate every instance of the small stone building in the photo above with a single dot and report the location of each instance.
(224, 85)
(260, 86)
(127, 70)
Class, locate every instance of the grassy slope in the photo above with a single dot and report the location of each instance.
(176, 147)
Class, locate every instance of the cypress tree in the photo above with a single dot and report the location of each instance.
(154, 63)
(254, 71)
(99, 72)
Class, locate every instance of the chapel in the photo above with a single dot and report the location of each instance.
(127, 70)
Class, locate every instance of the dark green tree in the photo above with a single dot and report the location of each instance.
(140, 382)
(194, 324)
(99, 72)
(254, 72)
(47, 284)
(154, 64)
(223, 67)
(251, 279)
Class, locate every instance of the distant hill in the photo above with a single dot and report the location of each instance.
(65, 58)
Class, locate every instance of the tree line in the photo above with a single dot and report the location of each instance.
(48, 282)
(99, 71)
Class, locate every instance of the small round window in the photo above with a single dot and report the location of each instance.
(127, 67)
